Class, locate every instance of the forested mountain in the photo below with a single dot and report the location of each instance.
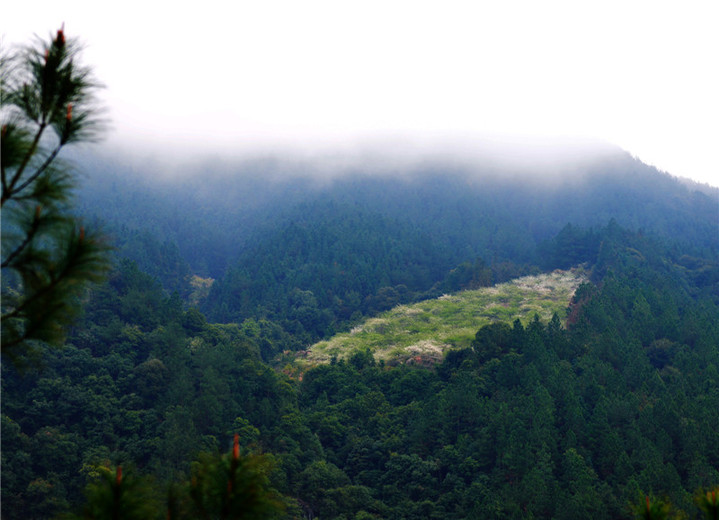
(214, 210)
(316, 252)
(534, 420)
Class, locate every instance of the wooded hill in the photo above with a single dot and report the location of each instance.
(575, 416)
(315, 253)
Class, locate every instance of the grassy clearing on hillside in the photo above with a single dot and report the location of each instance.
(425, 330)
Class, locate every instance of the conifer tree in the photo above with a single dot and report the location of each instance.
(232, 487)
(115, 495)
(47, 102)
(653, 509)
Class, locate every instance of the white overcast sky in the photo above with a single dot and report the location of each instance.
(210, 75)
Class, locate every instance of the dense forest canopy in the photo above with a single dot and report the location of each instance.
(265, 230)
(535, 420)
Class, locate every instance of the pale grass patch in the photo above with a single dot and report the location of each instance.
(556, 282)
(376, 325)
(426, 347)
(428, 329)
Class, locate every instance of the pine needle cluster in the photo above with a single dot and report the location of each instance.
(47, 101)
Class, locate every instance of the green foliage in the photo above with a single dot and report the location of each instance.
(160, 259)
(118, 494)
(570, 247)
(144, 381)
(708, 502)
(48, 258)
(654, 509)
(231, 486)
(535, 419)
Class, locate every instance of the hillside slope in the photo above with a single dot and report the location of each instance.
(422, 332)
(222, 215)
(533, 420)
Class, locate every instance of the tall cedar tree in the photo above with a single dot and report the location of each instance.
(46, 103)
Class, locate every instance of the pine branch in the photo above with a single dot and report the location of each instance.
(28, 238)
(48, 306)
(50, 158)
(8, 193)
(47, 259)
